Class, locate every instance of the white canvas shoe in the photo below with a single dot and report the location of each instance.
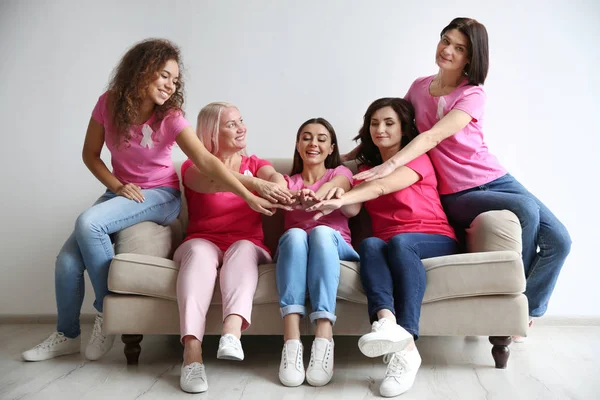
(385, 337)
(291, 368)
(401, 372)
(99, 344)
(230, 348)
(193, 378)
(320, 368)
(57, 344)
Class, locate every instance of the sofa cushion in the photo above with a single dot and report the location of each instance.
(455, 276)
(473, 274)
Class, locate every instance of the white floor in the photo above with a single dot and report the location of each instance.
(555, 363)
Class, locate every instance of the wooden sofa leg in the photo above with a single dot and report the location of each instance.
(500, 350)
(132, 348)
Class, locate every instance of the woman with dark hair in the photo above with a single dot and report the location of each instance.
(139, 119)
(408, 224)
(309, 253)
(449, 110)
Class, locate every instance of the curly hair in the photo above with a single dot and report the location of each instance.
(368, 153)
(331, 161)
(130, 79)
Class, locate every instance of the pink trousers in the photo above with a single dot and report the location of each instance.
(200, 261)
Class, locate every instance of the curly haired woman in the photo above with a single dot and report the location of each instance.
(139, 118)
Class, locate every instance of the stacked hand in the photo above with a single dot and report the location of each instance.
(273, 192)
(306, 199)
(330, 202)
(264, 206)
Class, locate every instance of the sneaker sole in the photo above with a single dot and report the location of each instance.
(229, 355)
(318, 383)
(291, 383)
(202, 390)
(50, 356)
(379, 347)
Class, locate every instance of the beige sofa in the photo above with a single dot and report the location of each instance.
(479, 293)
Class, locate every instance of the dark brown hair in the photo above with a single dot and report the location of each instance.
(130, 79)
(477, 68)
(332, 161)
(368, 152)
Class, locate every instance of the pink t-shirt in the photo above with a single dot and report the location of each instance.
(415, 209)
(223, 218)
(304, 220)
(461, 161)
(144, 159)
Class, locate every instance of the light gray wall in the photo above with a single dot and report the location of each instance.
(282, 62)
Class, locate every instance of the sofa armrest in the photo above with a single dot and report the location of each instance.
(150, 239)
(494, 231)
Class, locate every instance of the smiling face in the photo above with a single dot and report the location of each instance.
(385, 129)
(232, 130)
(452, 53)
(314, 144)
(163, 87)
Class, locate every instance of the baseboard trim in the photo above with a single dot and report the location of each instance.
(38, 318)
(85, 318)
(566, 321)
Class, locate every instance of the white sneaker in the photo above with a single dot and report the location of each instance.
(193, 378)
(57, 344)
(230, 348)
(291, 369)
(386, 337)
(320, 368)
(99, 344)
(401, 372)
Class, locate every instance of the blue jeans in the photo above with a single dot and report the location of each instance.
(90, 247)
(393, 275)
(540, 229)
(311, 261)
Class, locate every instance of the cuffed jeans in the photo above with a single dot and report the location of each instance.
(539, 226)
(311, 261)
(393, 275)
(90, 248)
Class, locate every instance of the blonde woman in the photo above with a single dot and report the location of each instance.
(225, 238)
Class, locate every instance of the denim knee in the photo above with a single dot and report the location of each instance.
(86, 224)
(528, 212)
(402, 242)
(371, 242)
(321, 234)
(561, 240)
(293, 235)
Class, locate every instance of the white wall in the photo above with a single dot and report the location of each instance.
(282, 62)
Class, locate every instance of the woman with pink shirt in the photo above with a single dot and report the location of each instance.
(309, 253)
(139, 119)
(408, 224)
(449, 114)
(224, 238)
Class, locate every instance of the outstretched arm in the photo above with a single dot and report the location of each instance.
(399, 179)
(213, 167)
(453, 122)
